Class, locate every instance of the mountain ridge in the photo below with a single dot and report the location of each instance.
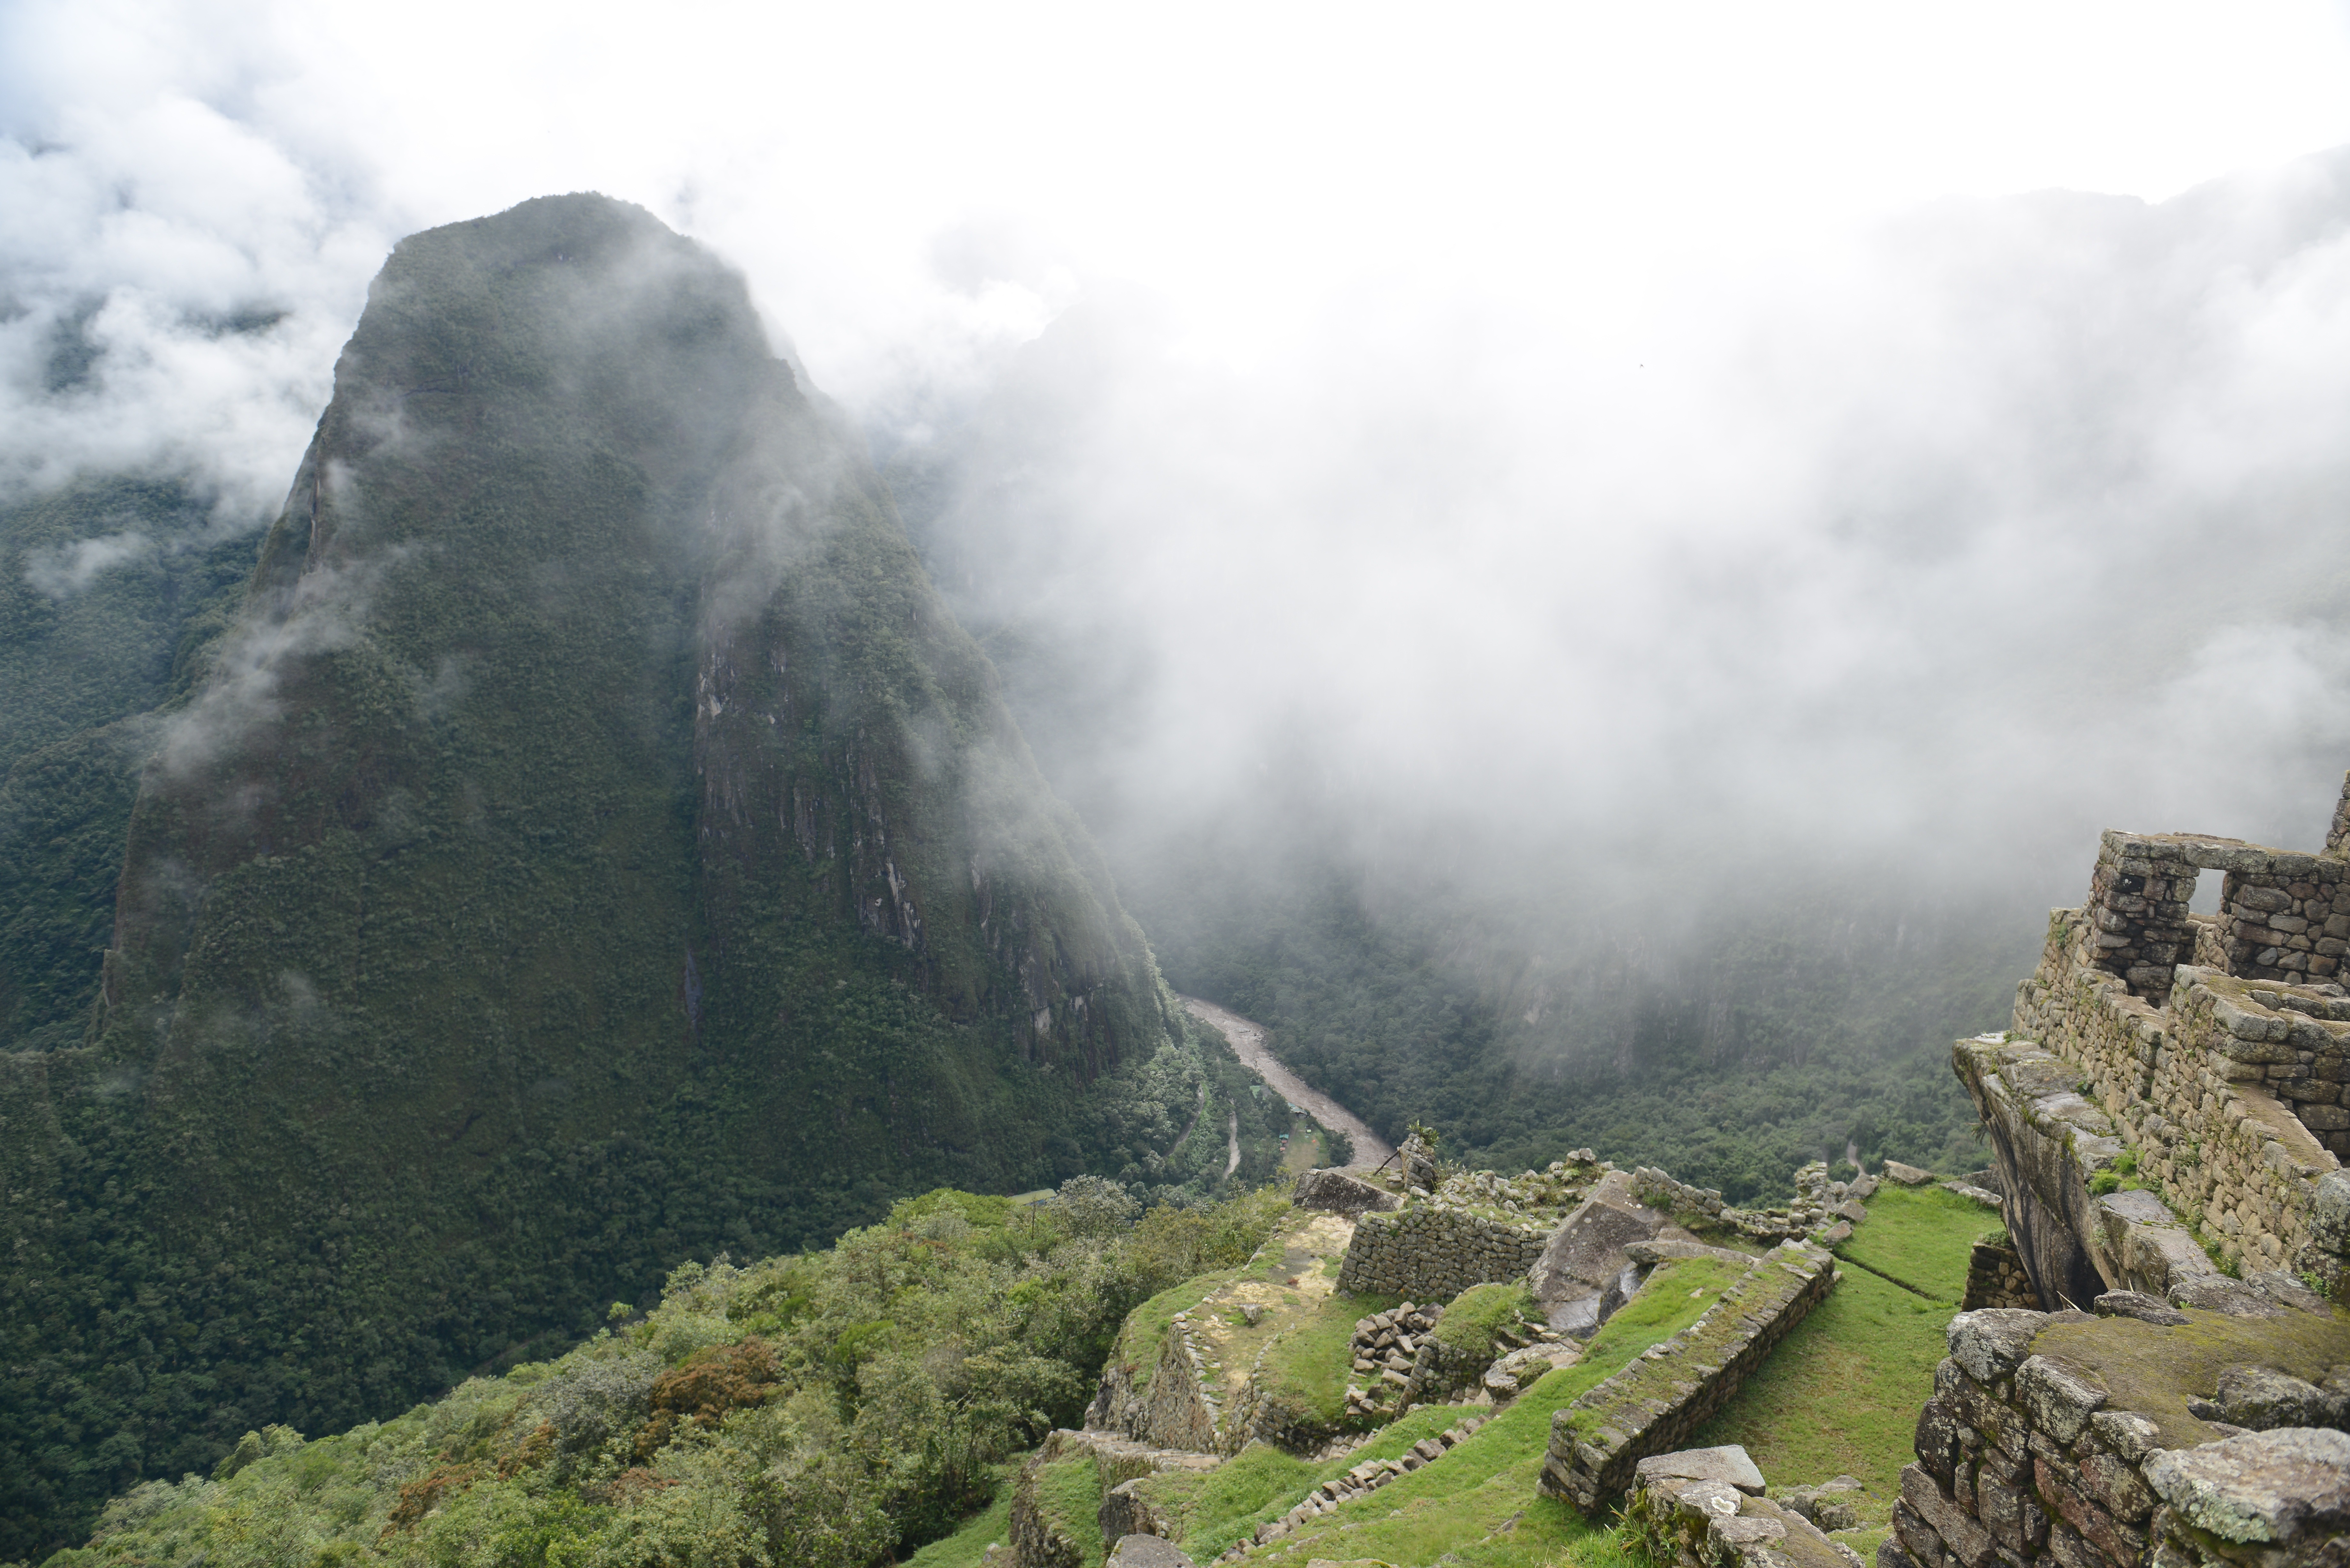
(591, 846)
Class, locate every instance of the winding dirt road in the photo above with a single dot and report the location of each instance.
(1247, 1038)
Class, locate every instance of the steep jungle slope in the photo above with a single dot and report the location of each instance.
(110, 592)
(807, 1412)
(592, 845)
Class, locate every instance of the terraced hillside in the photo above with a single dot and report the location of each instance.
(1019, 1384)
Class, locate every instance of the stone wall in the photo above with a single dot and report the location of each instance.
(1995, 1278)
(2283, 915)
(1178, 1409)
(2029, 1451)
(2226, 1099)
(1432, 1252)
(1652, 1406)
(2205, 1059)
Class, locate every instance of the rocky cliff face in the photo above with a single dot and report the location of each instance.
(593, 844)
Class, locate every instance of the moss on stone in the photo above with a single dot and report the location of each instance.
(2155, 1370)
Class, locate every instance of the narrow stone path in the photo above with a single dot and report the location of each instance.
(1247, 1038)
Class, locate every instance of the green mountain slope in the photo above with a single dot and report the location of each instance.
(109, 591)
(591, 845)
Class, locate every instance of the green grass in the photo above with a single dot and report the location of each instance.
(1146, 1326)
(1839, 1396)
(967, 1545)
(1473, 1316)
(1307, 1368)
(1479, 1506)
(1920, 1237)
(1261, 1482)
(1069, 1498)
(2155, 1370)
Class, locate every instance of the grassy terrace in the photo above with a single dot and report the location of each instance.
(1918, 1236)
(967, 1545)
(1840, 1395)
(1479, 1506)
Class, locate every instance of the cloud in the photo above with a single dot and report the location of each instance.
(1569, 444)
(63, 571)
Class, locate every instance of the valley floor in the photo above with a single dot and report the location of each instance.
(1247, 1039)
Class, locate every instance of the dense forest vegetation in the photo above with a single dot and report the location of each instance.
(813, 1411)
(1776, 1040)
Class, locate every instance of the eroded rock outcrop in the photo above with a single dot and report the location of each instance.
(1584, 1272)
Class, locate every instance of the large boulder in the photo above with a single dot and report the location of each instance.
(1584, 1274)
(1340, 1193)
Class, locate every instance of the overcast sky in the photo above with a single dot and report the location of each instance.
(1595, 423)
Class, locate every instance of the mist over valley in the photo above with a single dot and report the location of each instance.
(647, 707)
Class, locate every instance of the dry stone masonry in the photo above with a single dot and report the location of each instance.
(2283, 915)
(2169, 1115)
(1654, 1404)
(1819, 1207)
(2202, 1059)
(1402, 1359)
(2170, 1434)
(1995, 1278)
(1389, 1347)
(1474, 1229)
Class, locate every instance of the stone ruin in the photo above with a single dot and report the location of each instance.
(1708, 1508)
(2168, 1116)
(2169, 1101)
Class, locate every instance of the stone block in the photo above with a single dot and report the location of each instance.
(2329, 1214)
(2276, 1487)
(2139, 1306)
(1962, 1537)
(1728, 1465)
(1340, 1193)
(2058, 1399)
(1147, 1551)
(2115, 1487)
(2218, 1293)
(2001, 1508)
(2066, 1547)
(2124, 1434)
(1937, 1442)
(2262, 1399)
(1991, 1344)
(1907, 1175)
